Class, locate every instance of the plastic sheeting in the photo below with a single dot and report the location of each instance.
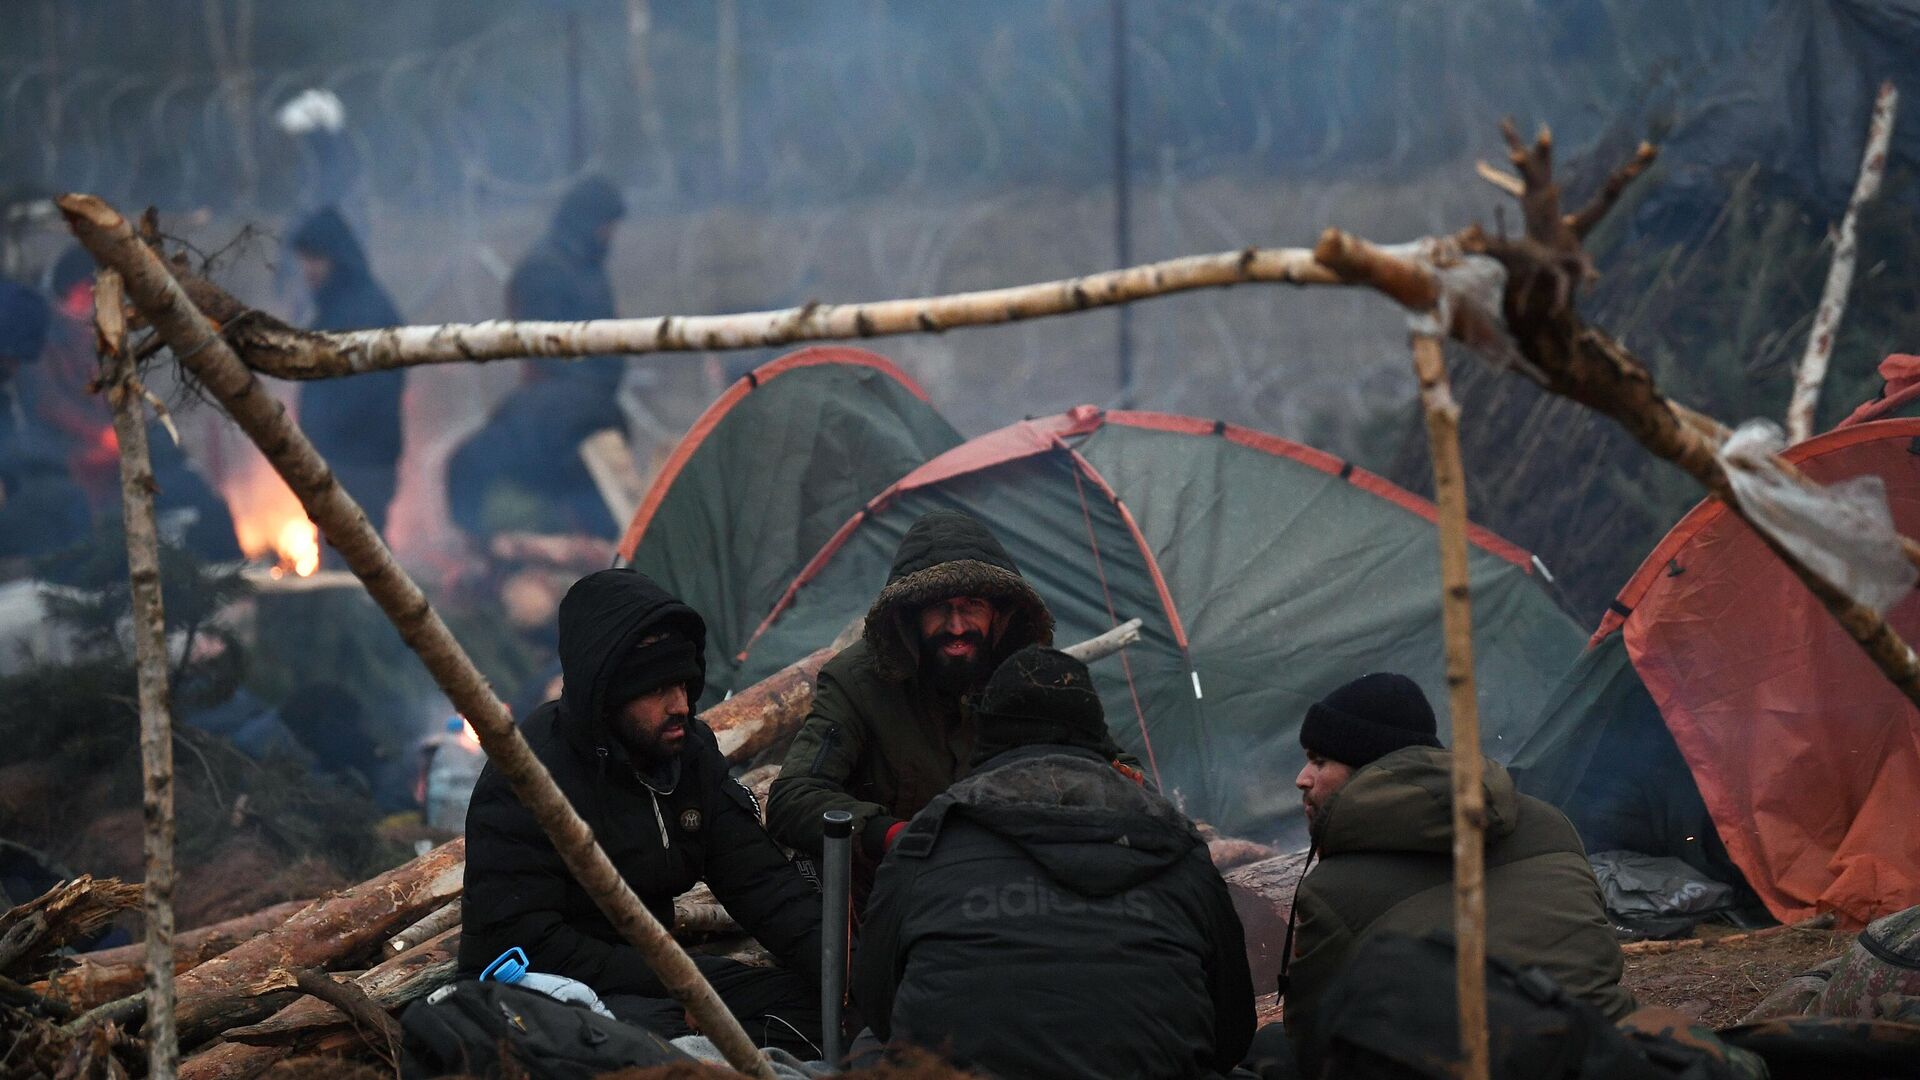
(1807, 758)
(1267, 574)
(1841, 531)
(764, 478)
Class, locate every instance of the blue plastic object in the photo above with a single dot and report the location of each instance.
(507, 967)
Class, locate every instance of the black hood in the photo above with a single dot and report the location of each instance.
(587, 207)
(602, 617)
(1092, 829)
(944, 554)
(350, 299)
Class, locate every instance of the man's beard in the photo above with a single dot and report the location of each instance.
(955, 674)
(649, 747)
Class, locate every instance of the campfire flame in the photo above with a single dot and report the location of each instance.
(268, 520)
(298, 546)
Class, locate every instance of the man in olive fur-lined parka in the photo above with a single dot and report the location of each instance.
(891, 725)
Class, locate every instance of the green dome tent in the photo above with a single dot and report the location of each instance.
(1267, 573)
(766, 475)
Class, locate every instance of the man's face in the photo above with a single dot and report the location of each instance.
(1320, 780)
(314, 270)
(653, 726)
(953, 639)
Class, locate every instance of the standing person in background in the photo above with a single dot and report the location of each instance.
(522, 469)
(354, 422)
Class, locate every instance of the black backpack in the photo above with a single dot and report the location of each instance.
(1391, 1015)
(468, 1026)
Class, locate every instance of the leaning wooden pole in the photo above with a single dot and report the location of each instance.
(150, 660)
(1469, 794)
(199, 346)
(1846, 251)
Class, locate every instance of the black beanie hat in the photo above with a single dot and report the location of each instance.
(670, 659)
(1038, 696)
(1369, 718)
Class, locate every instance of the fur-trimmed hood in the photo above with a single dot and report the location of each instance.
(944, 554)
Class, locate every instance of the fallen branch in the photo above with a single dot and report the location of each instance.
(310, 1021)
(67, 912)
(279, 350)
(150, 659)
(1104, 645)
(432, 926)
(368, 1019)
(201, 348)
(1651, 948)
(1846, 249)
(24, 997)
(1469, 796)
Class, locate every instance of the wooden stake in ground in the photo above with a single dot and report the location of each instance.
(200, 347)
(1846, 249)
(1469, 796)
(150, 657)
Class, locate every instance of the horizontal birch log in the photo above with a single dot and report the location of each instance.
(276, 349)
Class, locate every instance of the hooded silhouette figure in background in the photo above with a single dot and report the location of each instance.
(355, 421)
(522, 470)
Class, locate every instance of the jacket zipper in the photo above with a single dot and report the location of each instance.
(660, 820)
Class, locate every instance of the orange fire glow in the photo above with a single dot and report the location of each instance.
(267, 519)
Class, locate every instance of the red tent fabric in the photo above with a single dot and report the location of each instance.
(1807, 758)
(1902, 375)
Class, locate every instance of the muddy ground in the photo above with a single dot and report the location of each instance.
(1716, 984)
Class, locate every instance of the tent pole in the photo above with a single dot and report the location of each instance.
(1469, 798)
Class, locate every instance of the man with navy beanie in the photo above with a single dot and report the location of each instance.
(1378, 794)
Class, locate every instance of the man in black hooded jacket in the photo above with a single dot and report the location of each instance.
(354, 422)
(529, 447)
(650, 781)
(1047, 916)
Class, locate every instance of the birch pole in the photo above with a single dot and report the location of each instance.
(279, 350)
(150, 658)
(1846, 251)
(1469, 796)
(199, 346)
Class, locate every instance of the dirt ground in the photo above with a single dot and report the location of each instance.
(1718, 984)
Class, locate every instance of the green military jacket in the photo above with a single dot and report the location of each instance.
(1386, 844)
